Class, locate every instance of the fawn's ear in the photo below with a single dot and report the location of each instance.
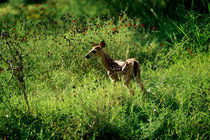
(102, 44)
(94, 44)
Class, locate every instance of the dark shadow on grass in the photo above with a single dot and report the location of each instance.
(19, 125)
(3, 1)
(34, 1)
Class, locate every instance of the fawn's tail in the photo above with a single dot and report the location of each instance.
(136, 68)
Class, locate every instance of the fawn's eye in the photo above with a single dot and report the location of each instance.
(94, 51)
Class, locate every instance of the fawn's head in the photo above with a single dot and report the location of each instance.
(96, 50)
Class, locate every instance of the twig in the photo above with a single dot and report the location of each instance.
(15, 65)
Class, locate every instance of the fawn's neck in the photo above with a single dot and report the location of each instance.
(106, 60)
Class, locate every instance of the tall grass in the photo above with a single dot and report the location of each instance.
(72, 98)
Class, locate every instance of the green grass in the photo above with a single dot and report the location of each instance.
(72, 98)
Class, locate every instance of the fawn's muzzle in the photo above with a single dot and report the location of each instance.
(87, 56)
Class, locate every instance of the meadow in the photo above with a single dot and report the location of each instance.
(48, 90)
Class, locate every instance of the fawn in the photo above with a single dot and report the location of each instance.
(117, 68)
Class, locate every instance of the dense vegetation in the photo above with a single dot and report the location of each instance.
(49, 91)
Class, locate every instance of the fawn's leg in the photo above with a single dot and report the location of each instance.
(127, 78)
(113, 76)
(127, 83)
(138, 78)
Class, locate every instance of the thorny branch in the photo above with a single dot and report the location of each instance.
(15, 64)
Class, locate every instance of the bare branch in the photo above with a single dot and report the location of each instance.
(14, 60)
(10, 49)
(7, 61)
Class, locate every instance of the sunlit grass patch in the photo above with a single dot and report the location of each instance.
(8, 9)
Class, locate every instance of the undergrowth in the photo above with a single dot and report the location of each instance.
(72, 98)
